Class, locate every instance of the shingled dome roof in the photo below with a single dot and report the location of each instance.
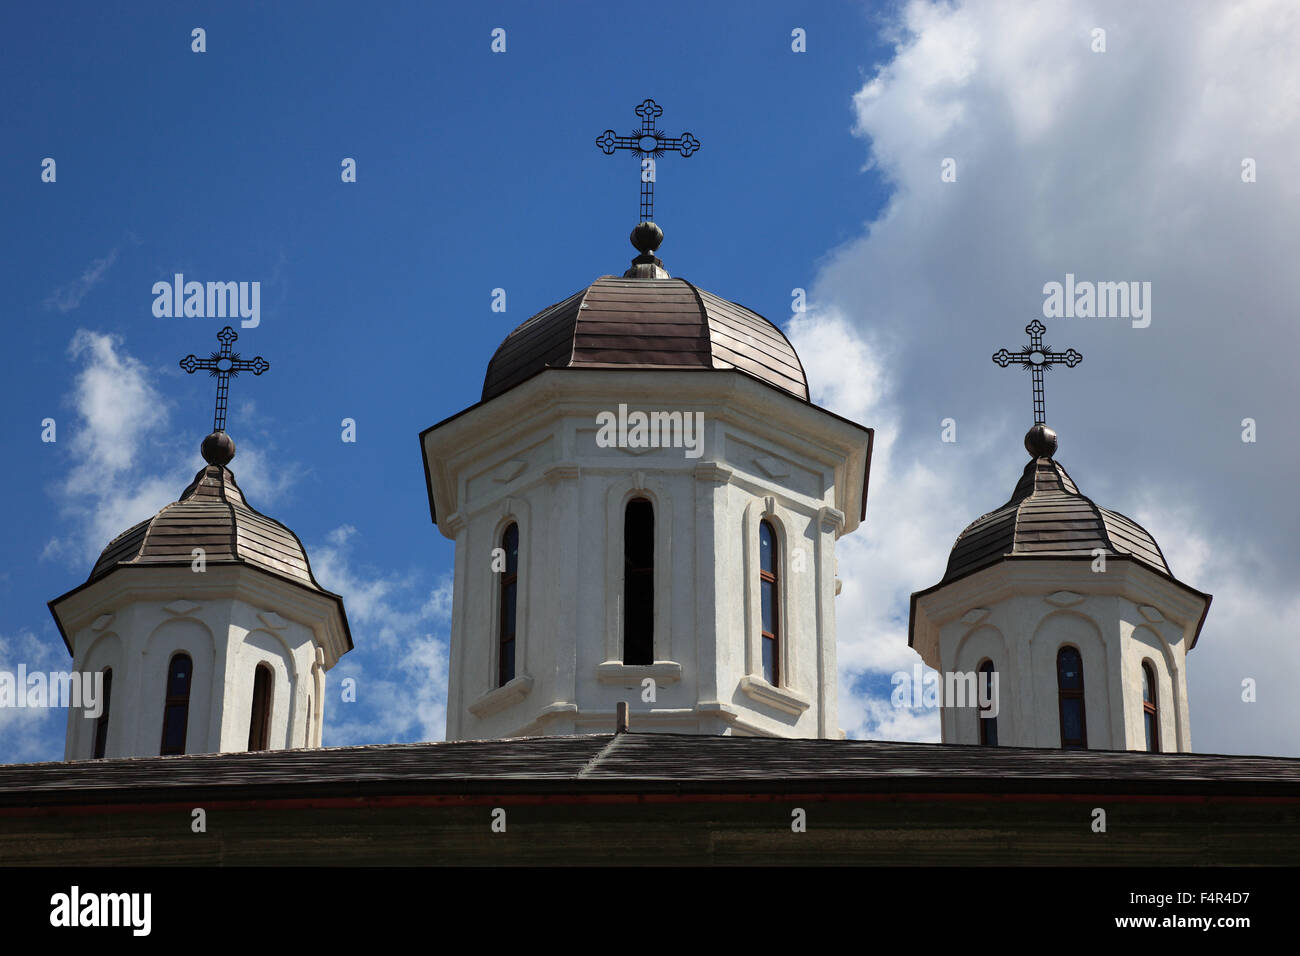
(211, 514)
(1047, 516)
(646, 323)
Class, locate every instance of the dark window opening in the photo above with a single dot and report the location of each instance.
(769, 602)
(176, 708)
(1069, 683)
(988, 725)
(101, 725)
(638, 582)
(1150, 710)
(259, 726)
(509, 600)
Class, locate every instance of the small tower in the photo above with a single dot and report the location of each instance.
(645, 506)
(210, 630)
(1072, 607)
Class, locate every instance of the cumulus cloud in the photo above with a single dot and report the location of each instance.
(399, 625)
(125, 461)
(1123, 165)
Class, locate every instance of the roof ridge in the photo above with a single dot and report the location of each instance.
(591, 764)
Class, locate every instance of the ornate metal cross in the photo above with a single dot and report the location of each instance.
(648, 141)
(1038, 358)
(223, 366)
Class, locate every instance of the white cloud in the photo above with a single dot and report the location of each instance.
(68, 297)
(125, 462)
(1123, 165)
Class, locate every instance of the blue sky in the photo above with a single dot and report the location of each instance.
(476, 171)
(819, 170)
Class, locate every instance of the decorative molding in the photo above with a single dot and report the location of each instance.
(507, 506)
(778, 697)
(629, 675)
(638, 481)
(272, 620)
(510, 470)
(830, 519)
(769, 505)
(975, 615)
(839, 586)
(502, 697)
(772, 467)
(101, 622)
(561, 471)
(454, 522)
(1064, 598)
(1152, 614)
(634, 451)
(712, 471)
(181, 607)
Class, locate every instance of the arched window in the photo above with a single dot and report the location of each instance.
(769, 601)
(1069, 684)
(101, 725)
(988, 725)
(1150, 712)
(259, 725)
(509, 601)
(639, 582)
(176, 709)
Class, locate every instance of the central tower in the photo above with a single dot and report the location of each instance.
(645, 507)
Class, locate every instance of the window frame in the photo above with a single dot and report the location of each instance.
(985, 724)
(99, 743)
(647, 570)
(1151, 708)
(1063, 694)
(506, 579)
(772, 578)
(259, 718)
(176, 700)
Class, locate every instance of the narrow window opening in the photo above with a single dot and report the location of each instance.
(101, 725)
(1150, 708)
(769, 600)
(988, 725)
(1069, 682)
(176, 708)
(259, 726)
(638, 582)
(509, 602)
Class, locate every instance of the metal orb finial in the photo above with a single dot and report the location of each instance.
(1040, 442)
(218, 449)
(646, 238)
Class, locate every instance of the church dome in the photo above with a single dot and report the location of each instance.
(211, 514)
(646, 320)
(1047, 516)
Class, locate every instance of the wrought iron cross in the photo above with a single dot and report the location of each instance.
(647, 141)
(1038, 358)
(223, 366)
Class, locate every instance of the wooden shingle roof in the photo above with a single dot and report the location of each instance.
(646, 323)
(1048, 515)
(210, 514)
(642, 763)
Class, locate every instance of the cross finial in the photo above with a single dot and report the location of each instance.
(648, 143)
(222, 365)
(1037, 359)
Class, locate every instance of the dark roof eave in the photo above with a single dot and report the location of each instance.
(911, 621)
(428, 474)
(310, 588)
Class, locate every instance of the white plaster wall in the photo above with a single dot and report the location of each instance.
(1020, 613)
(225, 637)
(568, 495)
